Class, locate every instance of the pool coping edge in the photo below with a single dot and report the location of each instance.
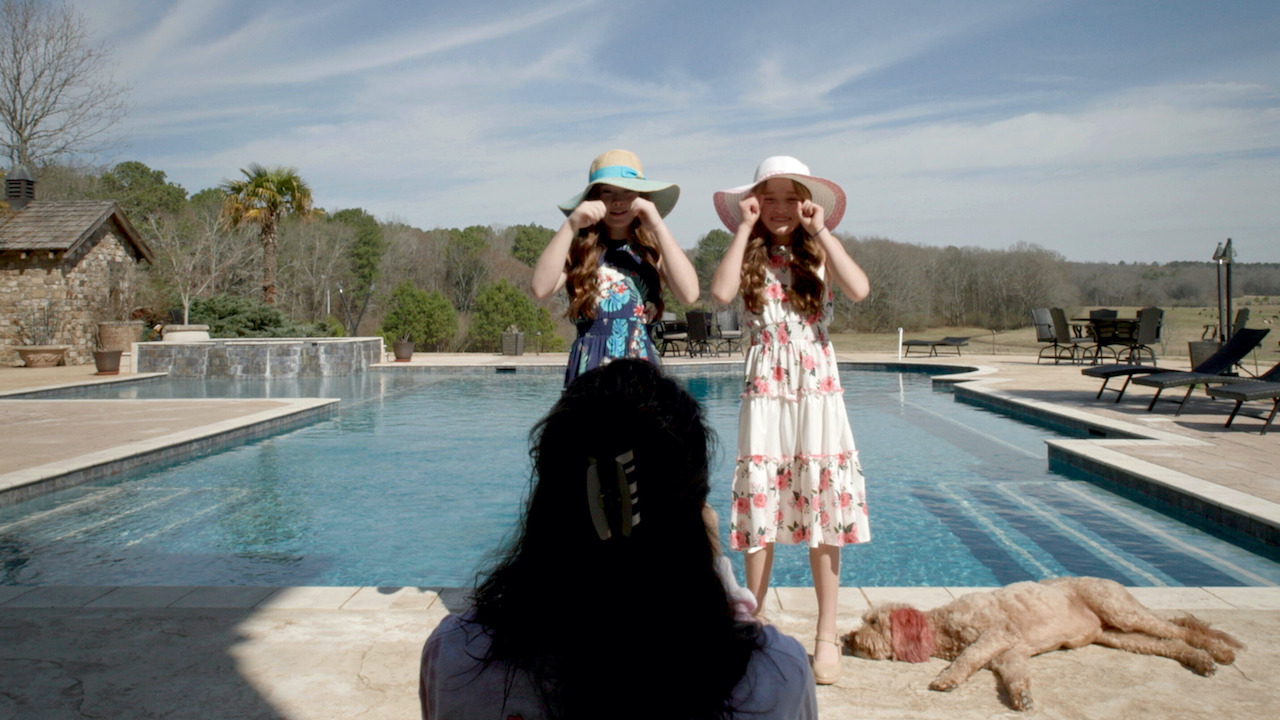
(28, 483)
(392, 598)
(1255, 517)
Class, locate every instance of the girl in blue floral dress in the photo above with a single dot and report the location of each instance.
(612, 253)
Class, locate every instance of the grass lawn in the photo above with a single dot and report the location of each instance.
(1181, 324)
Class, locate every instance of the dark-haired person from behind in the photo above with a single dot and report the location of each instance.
(607, 604)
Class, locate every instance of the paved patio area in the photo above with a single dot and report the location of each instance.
(352, 652)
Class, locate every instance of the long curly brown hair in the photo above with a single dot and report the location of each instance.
(808, 290)
(584, 259)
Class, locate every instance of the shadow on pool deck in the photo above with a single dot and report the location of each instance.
(344, 652)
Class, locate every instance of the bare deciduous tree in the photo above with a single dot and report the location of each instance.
(195, 252)
(57, 97)
(313, 261)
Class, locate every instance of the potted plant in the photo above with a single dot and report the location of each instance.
(403, 348)
(118, 330)
(119, 334)
(38, 327)
(512, 341)
(404, 321)
(106, 360)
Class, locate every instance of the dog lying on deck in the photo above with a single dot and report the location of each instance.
(1004, 628)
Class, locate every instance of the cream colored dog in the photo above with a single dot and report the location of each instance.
(1002, 629)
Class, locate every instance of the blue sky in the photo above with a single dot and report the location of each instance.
(1109, 130)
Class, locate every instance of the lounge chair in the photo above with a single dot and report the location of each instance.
(933, 345)
(1241, 344)
(1246, 391)
(1218, 365)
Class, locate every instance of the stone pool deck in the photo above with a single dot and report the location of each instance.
(352, 652)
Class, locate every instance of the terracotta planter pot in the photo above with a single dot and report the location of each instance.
(403, 350)
(107, 361)
(113, 335)
(42, 356)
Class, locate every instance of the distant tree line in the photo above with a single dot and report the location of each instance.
(916, 287)
(1185, 284)
(455, 289)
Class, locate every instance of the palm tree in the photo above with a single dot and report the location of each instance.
(263, 197)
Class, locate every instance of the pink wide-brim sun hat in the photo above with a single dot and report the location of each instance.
(828, 195)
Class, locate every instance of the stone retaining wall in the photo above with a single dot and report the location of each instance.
(275, 357)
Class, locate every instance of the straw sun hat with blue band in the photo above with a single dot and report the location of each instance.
(621, 168)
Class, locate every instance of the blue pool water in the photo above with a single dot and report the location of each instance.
(420, 477)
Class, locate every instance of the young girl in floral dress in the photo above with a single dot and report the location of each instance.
(797, 478)
(610, 253)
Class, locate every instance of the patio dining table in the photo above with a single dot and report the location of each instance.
(1105, 332)
(1118, 328)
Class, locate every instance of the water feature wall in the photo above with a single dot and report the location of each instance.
(259, 358)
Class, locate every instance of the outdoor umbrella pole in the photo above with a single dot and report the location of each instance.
(1221, 309)
(1227, 257)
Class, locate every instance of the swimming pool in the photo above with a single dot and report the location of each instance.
(420, 476)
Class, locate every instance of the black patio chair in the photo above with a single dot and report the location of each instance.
(1242, 319)
(727, 334)
(1043, 323)
(1150, 320)
(699, 341)
(1063, 339)
(670, 334)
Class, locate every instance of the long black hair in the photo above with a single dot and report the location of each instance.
(637, 625)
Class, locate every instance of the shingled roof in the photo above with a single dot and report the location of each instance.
(64, 225)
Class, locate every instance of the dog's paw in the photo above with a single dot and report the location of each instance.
(1222, 654)
(943, 685)
(1201, 663)
(1019, 693)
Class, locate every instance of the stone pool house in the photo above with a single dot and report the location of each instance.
(69, 256)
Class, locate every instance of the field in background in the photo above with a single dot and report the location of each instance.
(1181, 325)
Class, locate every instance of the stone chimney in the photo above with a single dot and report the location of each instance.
(19, 188)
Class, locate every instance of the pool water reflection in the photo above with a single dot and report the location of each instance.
(420, 476)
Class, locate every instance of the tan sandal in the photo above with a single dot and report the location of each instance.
(825, 673)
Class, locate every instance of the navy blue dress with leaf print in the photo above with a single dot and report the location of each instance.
(620, 328)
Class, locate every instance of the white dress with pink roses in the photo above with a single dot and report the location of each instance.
(797, 479)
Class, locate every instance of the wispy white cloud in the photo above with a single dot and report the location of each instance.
(403, 46)
(775, 87)
(491, 115)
